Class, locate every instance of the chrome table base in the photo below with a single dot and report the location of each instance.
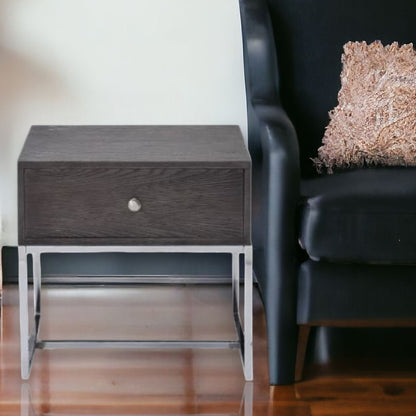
(29, 340)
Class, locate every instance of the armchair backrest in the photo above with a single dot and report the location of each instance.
(308, 36)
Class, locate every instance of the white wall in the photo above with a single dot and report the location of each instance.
(113, 62)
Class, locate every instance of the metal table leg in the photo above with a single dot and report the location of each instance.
(29, 343)
(248, 313)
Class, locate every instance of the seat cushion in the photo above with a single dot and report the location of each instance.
(329, 292)
(363, 215)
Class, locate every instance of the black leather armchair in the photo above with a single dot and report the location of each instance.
(356, 261)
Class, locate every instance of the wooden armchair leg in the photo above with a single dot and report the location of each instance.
(303, 336)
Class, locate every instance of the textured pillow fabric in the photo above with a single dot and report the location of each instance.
(374, 122)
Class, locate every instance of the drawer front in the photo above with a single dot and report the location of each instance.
(91, 206)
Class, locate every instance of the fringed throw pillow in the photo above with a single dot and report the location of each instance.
(374, 122)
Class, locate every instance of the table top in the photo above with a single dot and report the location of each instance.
(219, 146)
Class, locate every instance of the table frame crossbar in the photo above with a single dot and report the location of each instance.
(29, 341)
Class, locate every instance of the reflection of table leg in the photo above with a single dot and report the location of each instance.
(247, 400)
(26, 406)
(246, 405)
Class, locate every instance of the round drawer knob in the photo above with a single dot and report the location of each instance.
(134, 205)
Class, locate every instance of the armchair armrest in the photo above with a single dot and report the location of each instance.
(278, 134)
(280, 182)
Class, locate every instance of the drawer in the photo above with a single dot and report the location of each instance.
(87, 205)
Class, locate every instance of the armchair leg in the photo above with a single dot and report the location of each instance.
(303, 336)
(282, 352)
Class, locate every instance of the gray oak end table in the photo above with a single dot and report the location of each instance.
(147, 189)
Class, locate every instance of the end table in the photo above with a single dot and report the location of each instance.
(147, 189)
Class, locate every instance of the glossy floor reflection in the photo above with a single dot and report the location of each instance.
(175, 382)
(127, 381)
(27, 407)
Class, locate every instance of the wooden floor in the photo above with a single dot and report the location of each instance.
(198, 382)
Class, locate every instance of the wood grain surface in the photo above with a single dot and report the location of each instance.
(183, 206)
(182, 382)
(147, 145)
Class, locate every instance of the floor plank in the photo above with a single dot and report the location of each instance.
(145, 382)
